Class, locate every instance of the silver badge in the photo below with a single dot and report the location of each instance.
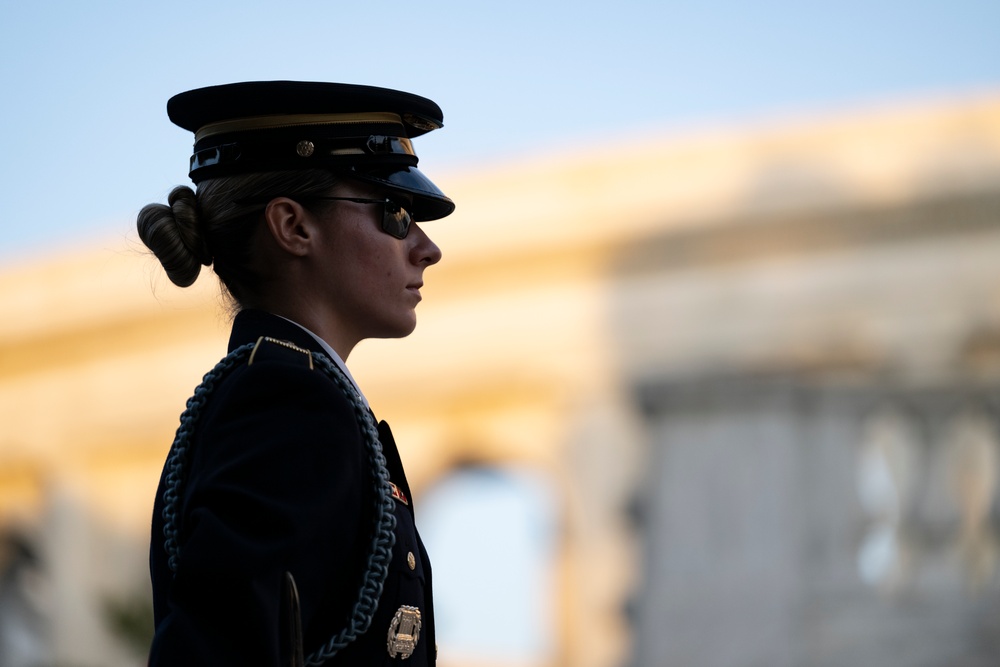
(404, 632)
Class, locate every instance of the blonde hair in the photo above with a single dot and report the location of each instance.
(215, 226)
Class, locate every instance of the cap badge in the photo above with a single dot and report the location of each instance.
(421, 122)
(404, 632)
(305, 148)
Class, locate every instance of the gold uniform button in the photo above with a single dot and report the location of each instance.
(411, 561)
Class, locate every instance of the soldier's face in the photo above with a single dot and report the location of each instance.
(369, 279)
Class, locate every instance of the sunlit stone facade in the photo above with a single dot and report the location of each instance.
(754, 371)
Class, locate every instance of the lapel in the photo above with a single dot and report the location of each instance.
(393, 463)
(249, 325)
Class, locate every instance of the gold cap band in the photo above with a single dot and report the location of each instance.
(293, 120)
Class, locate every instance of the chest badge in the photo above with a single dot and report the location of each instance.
(404, 632)
(398, 494)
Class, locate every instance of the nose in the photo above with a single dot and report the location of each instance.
(424, 251)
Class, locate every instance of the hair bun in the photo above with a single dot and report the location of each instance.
(173, 234)
(184, 204)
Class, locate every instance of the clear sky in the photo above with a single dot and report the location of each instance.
(85, 141)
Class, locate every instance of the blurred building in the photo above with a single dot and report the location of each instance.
(727, 398)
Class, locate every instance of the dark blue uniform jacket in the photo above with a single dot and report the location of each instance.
(277, 479)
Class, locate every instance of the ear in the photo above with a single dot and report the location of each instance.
(290, 225)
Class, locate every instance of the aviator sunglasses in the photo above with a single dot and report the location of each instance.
(395, 219)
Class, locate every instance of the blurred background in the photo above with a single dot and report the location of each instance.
(709, 375)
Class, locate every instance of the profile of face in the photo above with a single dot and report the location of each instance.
(363, 278)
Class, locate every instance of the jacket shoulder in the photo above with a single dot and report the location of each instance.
(282, 351)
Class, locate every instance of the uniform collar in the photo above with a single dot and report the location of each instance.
(249, 325)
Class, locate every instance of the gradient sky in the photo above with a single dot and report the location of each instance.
(86, 141)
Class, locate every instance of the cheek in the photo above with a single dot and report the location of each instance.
(379, 262)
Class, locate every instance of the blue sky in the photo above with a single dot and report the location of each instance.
(86, 143)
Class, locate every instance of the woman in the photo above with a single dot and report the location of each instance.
(283, 518)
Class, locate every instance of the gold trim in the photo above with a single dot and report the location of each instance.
(254, 352)
(294, 120)
(347, 151)
(283, 343)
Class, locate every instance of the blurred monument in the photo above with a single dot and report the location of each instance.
(731, 396)
(819, 377)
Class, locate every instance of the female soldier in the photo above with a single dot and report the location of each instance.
(306, 198)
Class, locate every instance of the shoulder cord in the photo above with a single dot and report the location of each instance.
(380, 550)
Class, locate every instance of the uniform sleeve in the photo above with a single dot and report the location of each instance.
(274, 484)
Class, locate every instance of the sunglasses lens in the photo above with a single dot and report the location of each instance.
(395, 220)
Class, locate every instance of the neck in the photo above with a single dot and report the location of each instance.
(288, 289)
(313, 319)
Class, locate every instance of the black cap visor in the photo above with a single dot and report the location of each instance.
(429, 203)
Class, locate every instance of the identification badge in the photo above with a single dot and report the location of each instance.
(404, 632)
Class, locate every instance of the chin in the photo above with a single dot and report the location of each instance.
(398, 329)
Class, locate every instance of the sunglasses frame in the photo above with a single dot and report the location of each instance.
(389, 222)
